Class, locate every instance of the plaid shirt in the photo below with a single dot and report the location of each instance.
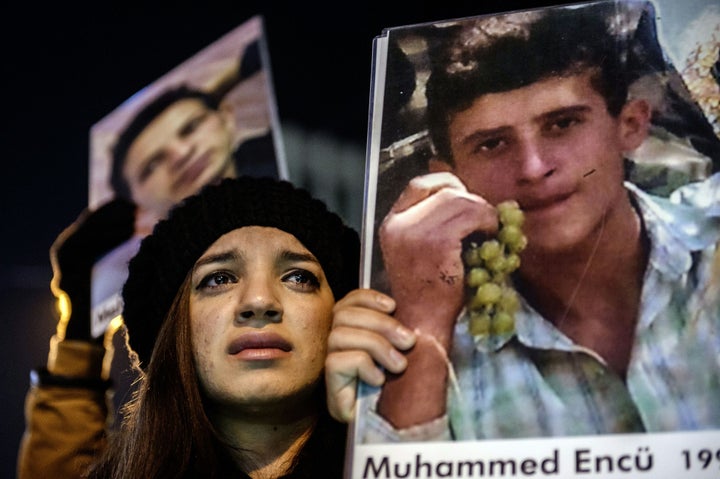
(536, 382)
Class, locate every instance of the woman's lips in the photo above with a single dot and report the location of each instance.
(259, 346)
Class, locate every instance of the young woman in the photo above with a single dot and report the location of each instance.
(229, 304)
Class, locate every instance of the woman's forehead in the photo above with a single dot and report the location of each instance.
(253, 240)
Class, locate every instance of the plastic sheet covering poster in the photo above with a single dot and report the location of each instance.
(211, 117)
(542, 204)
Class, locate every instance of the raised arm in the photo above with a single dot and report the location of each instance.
(66, 408)
(421, 240)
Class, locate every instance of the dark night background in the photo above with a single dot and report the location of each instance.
(64, 68)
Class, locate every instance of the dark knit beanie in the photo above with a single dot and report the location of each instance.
(169, 253)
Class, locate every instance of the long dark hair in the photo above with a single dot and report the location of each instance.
(166, 432)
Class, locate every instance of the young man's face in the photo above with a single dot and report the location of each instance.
(554, 148)
(186, 147)
(260, 316)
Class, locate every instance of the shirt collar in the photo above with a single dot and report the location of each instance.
(674, 230)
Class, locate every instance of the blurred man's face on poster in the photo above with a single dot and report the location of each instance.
(186, 147)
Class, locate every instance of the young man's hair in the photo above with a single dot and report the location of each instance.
(140, 121)
(502, 53)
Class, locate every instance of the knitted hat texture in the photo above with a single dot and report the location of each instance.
(169, 253)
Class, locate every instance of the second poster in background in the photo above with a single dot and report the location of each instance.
(212, 116)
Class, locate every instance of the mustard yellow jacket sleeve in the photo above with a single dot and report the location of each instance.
(67, 413)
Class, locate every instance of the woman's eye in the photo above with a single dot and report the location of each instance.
(302, 278)
(216, 279)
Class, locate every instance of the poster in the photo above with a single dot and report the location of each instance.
(211, 117)
(594, 351)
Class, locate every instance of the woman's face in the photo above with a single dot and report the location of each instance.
(260, 315)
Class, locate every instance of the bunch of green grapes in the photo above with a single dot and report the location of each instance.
(493, 303)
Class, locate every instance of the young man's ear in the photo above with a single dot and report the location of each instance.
(238, 131)
(227, 113)
(438, 165)
(634, 123)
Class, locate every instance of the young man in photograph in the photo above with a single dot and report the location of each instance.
(617, 324)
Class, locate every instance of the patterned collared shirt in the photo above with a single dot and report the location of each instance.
(535, 381)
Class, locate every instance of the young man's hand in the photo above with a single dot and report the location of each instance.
(421, 241)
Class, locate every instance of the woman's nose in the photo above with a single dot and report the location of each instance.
(258, 301)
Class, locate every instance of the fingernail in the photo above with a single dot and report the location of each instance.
(406, 337)
(398, 359)
(385, 302)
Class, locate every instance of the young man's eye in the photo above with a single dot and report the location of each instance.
(562, 124)
(192, 125)
(216, 279)
(149, 168)
(302, 278)
(490, 146)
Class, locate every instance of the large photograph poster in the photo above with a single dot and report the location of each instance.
(541, 203)
(213, 116)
